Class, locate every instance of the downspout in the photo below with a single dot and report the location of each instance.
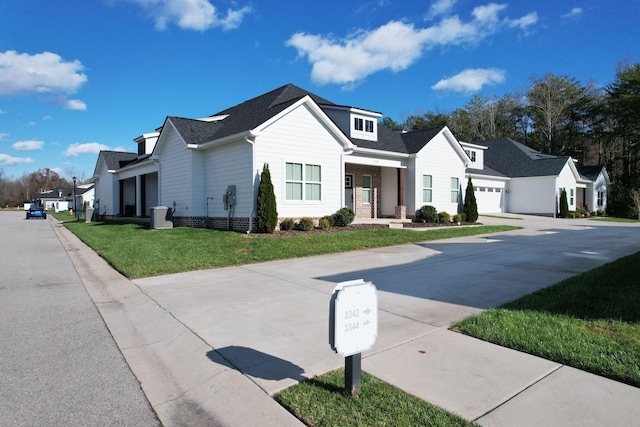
(253, 168)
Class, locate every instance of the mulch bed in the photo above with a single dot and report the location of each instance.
(356, 227)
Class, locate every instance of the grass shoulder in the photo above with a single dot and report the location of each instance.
(590, 321)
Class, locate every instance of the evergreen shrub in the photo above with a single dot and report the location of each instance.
(427, 213)
(305, 224)
(344, 217)
(266, 212)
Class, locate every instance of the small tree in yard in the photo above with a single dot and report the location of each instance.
(470, 208)
(266, 211)
(564, 204)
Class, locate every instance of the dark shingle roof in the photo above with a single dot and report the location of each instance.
(590, 172)
(250, 114)
(516, 160)
(243, 117)
(399, 142)
(118, 159)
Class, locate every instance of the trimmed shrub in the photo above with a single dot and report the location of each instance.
(344, 217)
(329, 219)
(470, 208)
(305, 224)
(287, 224)
(427, 213)
(266, 212)
(444, 218)
(323, 224)
(458, 218)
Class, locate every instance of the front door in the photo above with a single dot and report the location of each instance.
(348, 191)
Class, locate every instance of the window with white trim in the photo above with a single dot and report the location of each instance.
(363, 124)
(366, 188)
(471, 154)
(571, 192)
(427, 189)
(600, 198)
(307, 186)
(455, 183)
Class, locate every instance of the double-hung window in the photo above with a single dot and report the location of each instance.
(303, 182)
(571, 192)
(600, 198)
(366, 189)
(455, 183)
(427, 188)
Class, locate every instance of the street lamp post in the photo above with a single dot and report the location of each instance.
(74, 195)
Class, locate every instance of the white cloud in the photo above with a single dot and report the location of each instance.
(69, 104)
(575, 12)
(24, 74)
(471, 80)
(191, 14)
(7, 160)
(395, 45)
(440, 8)
(28, 145)
(88, 148)
(3, 136)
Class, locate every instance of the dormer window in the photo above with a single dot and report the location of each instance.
(363, 124)
(471, 154)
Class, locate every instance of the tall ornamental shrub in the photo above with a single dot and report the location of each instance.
(564, 205)
(470, 208)
(266, 210)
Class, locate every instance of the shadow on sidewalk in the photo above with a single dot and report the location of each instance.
(258, 364)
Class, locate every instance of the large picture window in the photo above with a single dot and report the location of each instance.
(455, 190)
(427, 189)
(303, 186)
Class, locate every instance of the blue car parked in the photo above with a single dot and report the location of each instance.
(36, 212)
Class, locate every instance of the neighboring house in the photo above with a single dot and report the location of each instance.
(595, 195)
(511, 177)
(61, 199)
(321, 156)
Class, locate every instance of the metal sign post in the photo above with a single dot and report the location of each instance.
(353, 326)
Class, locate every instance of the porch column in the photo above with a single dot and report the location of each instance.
(138, 195)
(401, 209)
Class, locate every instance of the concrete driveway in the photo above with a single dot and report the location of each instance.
(270, 320)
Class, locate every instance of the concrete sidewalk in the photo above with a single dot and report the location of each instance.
(210, 347)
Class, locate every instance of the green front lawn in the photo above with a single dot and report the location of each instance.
(590, 321)
(321, 402)
(136, 251)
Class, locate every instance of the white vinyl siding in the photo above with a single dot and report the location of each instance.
(300, 138)
(176, 174)
(441, 161)
(106, 190)
(226, 165)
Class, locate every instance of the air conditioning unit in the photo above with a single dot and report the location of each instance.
(161, 217)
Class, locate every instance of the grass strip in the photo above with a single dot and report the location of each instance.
(590, 321)
(136, 251)
(321, 402)
(613, 219)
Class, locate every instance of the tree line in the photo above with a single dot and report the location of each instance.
(18, 191)
(560, 116)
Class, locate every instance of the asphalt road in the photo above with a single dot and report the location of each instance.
(59, 365)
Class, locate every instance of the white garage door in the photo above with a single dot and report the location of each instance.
(489, 199)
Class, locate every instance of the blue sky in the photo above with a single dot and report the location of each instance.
(78, 76)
